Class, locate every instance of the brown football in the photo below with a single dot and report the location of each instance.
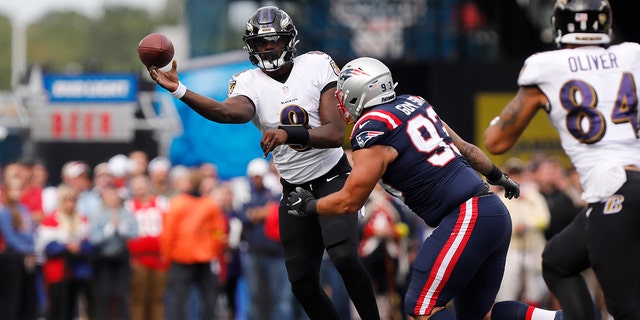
(155, 50)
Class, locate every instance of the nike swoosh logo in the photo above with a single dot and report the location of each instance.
(297, 202)
(329, 179)
(364, 124)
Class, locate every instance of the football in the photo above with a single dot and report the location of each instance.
(155, 50)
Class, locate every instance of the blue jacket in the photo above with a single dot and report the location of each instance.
(253, 232)
(21, 240)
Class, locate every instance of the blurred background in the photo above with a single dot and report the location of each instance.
(72, 87)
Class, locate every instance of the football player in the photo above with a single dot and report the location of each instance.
(291, 99)
(588, 90)
(402, 141)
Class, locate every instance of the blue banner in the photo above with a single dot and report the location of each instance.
(91, 88)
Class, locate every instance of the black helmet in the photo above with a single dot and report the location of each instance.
(582, 21)
(270, 24)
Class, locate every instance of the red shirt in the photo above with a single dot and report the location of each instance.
(145, 249)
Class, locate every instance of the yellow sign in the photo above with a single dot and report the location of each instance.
(538, 138)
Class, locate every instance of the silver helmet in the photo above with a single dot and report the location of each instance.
(363, 83)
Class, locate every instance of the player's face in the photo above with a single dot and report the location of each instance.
(270, 48)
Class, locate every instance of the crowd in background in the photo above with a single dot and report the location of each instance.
(138, 238)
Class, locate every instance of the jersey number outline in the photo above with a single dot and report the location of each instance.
(427, 136)
(625, 109)
(295, 115)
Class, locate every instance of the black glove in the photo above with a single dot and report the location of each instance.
(511, 188)
(301, 203)
(498, 178)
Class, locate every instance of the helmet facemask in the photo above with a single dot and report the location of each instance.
(347, 116)
(270, 59)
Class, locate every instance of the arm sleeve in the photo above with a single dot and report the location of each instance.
(329, 70)
(369, 131)
(530, 74)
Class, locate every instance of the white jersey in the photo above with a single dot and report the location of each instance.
(297, 101)
(593, 103)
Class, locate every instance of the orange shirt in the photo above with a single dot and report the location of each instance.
(193, 230)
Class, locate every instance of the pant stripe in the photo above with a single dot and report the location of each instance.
(448, 257)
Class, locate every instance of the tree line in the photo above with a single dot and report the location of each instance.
(68, 41)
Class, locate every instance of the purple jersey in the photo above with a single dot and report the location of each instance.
(429, 172)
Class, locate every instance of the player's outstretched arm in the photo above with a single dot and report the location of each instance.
(505, 129)
(474, 155)
(369, 164)
(238, 109)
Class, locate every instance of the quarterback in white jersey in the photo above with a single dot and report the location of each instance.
(292, 101)
(589, 91)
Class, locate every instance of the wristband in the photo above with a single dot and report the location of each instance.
(495, 174)
(296, 134)
(180, 91)
(310, 208)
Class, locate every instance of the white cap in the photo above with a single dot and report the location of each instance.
(257, 167)
(120, 165)
(74, 169)
(159, 163)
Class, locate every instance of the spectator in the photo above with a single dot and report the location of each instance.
(18, 229)
(208, 170)
(192, 240)
(522, 279)
(102, 178)
(381, 250)
(553, 185)
(32, 191)
(209, 182)
(120, 167)
(111, 227)
(63, 240)
(49, 192)
(159, 168)
(3, 254)
(149, 270)
(49, 196)
(139, 161)
(264, 261)
(13, 170)
(75, 174)
(231, 272)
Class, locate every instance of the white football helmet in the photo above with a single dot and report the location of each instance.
(363, 83)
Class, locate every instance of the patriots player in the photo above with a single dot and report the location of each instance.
(402, 141)
(588, 90)
(291, 100)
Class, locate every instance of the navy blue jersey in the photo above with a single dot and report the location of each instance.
(431, 174)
